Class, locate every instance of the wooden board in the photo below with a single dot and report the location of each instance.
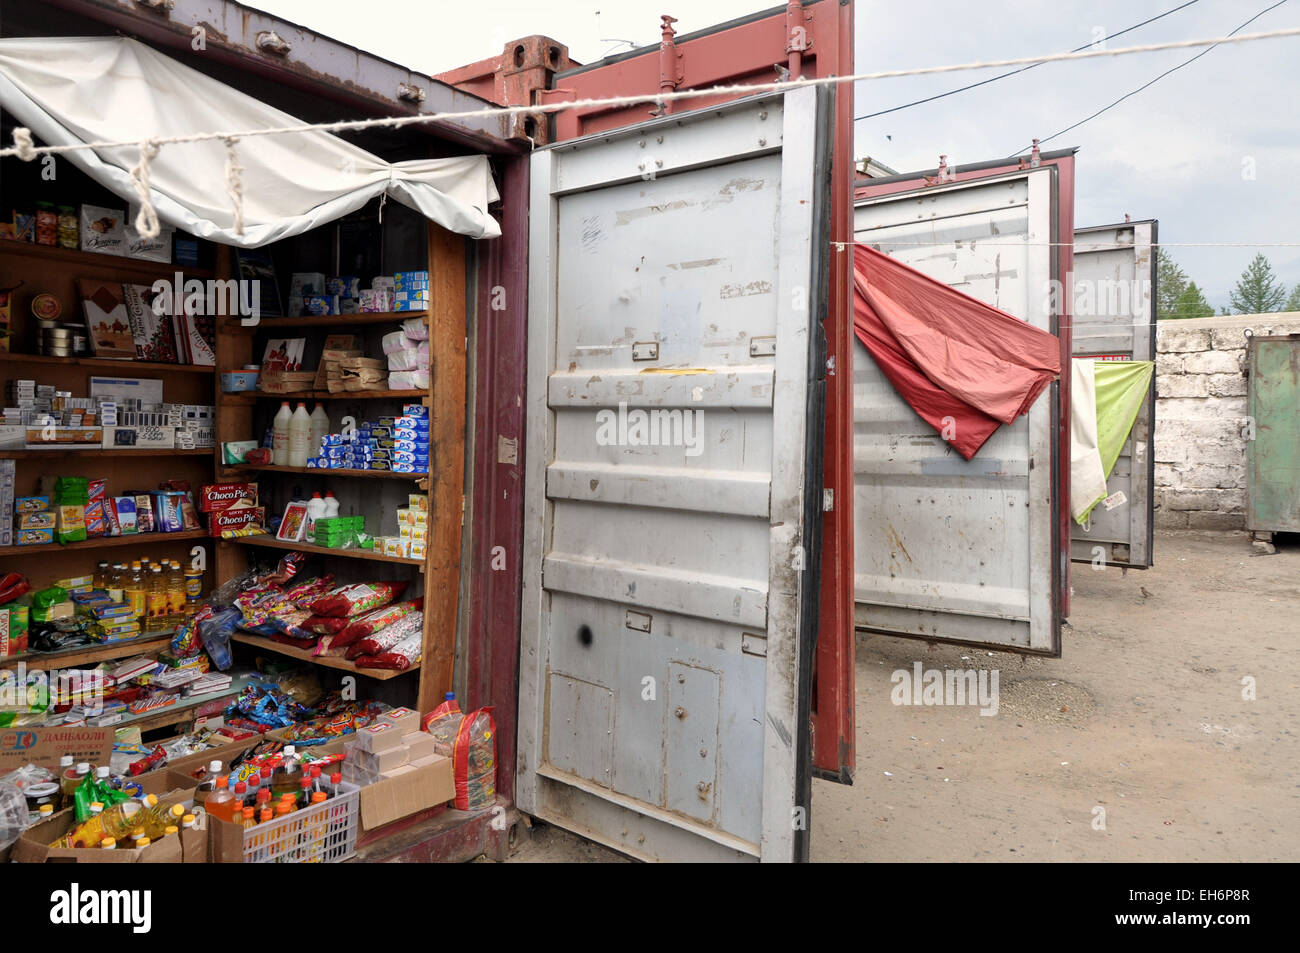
(447, 262)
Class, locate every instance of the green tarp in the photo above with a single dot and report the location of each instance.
(1121, 388)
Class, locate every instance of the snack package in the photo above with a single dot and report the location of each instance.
(386, 638)
(474, 759)
(398, 657)
(144, 514)
(371, 622)
(348, 601)
(323, 624)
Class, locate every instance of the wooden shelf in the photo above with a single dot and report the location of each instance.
(108, 362)
(270, 645)
(251, 397)
(72, 257)
(269, 540)
(183, 708)
(323, 321)
(90, 653)
(104, 452)
(324, 472)
(100, 542)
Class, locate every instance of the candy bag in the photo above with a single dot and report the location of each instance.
(348, 601)
(376, 619)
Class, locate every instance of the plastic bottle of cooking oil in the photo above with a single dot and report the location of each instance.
(176, 594)
(133, 590)
(156, 602)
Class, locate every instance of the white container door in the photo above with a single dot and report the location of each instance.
(673, 483)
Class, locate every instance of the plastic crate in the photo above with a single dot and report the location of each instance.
(324, 834)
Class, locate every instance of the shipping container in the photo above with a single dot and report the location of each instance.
(1114, 295)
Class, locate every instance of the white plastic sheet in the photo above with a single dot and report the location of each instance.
(1087, 475)
(86, 89)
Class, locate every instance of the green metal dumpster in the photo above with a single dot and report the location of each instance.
(1273, 455)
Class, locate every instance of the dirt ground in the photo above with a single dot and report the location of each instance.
(1141, 726)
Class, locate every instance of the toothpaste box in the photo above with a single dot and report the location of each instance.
(321, 304)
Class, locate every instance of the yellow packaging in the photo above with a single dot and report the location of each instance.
(418, 502)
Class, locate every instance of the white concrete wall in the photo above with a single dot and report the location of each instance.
(1200, 417)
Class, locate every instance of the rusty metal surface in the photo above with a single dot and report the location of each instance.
(1273, 455)
(446, 836)
(241, 36)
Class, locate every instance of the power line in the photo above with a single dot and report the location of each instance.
(994, 79)
(1152, 83)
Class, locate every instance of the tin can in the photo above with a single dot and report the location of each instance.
(193, 587)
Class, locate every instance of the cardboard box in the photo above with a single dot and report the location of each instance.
(33, 847)
(413, 790)
(378, 737)
(44, 746)
(405, 719)
(419, 745)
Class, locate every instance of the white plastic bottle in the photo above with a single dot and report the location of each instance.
(320, 426)
(280, 438)
(299, 436)
(331, 505)
(315, 510)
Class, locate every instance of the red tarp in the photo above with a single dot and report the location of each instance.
(947, 354)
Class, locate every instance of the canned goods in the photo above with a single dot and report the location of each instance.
(58, 351)
(193, 586)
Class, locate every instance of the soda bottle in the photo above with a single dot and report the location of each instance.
(304, 795)
(241, 797)
(287, 777)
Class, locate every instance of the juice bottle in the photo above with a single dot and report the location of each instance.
(221, 803)
(265, 814)
(133, 590)
(247, 817)
(316, 833)
(156, 601)
(304, 795)
(287, 777)
(175, 594)
(100, 580)
(241, 798)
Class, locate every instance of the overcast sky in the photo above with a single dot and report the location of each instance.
(1179, 152)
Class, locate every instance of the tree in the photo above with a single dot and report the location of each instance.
(1293, 302)
(1171, 282)
(1258, 291)
(1192, 304)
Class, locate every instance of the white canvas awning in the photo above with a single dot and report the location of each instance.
(87, 89)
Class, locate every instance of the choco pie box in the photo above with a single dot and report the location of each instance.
(230, 506)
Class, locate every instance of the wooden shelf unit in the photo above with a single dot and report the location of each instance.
(102, 452)
(89, 654)
(135, 367)
(75, 259)
(342, 664)
(103, 542)
(269, 540)
(444, 483)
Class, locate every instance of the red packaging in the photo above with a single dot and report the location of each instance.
(234, 518)
(323, 624)
(371, 622)
(223, 496)
(353, 600)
